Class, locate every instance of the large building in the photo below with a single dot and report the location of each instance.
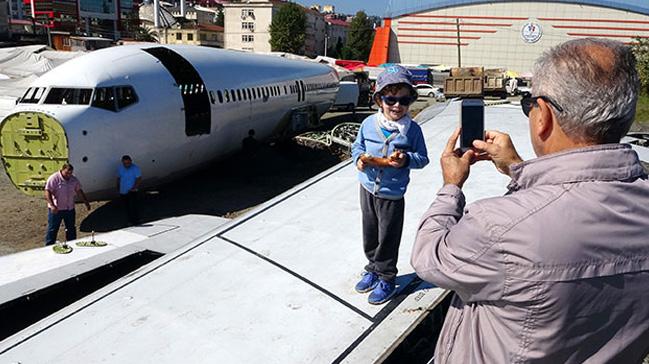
(98, 18)
(247, 26)
(509, 34)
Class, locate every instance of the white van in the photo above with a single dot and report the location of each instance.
(347, 97)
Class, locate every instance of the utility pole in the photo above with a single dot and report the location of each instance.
(459, 51)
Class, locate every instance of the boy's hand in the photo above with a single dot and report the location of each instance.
(360, 164)
(398, 159)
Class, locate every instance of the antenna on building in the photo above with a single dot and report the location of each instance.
(156, 13)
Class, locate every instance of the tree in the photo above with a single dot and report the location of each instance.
(220, 19)
(133, 28)
(641, 50)
(288, 29)
(359, 38)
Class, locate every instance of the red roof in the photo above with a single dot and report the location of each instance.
(214, 28)
(338, 22)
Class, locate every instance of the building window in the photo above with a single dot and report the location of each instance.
(245, 13)
(248, 25)
(247, 38)
(190, 36)
(203, 36)
(179, 36)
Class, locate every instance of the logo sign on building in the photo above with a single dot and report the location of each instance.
(531, 32)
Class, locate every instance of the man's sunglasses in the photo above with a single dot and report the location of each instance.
(403, 101)
(528, 102)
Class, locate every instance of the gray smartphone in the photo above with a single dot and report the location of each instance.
(471, 122)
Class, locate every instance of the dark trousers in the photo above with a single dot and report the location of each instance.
(54, 221)
(130, 201)
(382, 227)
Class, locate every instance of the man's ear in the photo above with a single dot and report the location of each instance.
(544, 120)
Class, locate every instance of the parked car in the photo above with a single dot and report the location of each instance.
(347, 97)
(427, 90)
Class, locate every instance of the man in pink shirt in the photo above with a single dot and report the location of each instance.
(60, 189)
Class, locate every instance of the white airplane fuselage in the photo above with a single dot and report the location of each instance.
(171, 108)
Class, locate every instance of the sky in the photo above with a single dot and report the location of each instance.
(378, 7)
(371, 7)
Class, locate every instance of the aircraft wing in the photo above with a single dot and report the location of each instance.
(275, 285)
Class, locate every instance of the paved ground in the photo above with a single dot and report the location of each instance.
(226, 188)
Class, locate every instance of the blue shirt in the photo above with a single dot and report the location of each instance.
(127, 177)
(388, 183)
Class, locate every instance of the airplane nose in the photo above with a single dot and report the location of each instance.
(33, 146)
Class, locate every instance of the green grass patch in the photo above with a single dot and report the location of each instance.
(642, 110)
(641, 122)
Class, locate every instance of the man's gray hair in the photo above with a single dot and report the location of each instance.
(596, 83)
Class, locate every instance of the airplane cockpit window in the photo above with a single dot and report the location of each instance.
(68, 96)
(33, 95)
(125, 96)
(104, 98)
(220, 94)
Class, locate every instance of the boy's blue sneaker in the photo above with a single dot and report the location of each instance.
(382, 293)
(367, 283)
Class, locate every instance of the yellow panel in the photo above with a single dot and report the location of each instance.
(33, 146)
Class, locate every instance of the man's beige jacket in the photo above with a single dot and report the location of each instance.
(556, 271)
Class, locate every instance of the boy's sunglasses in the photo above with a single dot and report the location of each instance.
(391, 100)
(528, 102)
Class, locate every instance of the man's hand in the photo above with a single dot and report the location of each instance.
(54, 210)
(499, 149)
(398, 160)
(455, 166)
(360, 165)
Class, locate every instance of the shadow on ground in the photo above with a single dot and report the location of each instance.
(226, 188)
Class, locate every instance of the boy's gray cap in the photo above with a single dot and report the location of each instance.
(393, 75)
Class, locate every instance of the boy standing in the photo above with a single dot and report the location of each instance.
(388, 145)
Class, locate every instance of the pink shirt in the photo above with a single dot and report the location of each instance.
(62, 191)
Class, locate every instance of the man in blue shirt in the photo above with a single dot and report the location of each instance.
(128, 181)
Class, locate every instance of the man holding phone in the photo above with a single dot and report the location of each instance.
(556, 270)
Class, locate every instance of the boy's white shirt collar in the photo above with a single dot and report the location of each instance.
(403, 124)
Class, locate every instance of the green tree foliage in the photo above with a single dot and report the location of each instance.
(641, 50)
(220, 19)
(359, 38)
(287, 31)
(133, 29)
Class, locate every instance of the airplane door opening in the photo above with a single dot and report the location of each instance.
(192, 89)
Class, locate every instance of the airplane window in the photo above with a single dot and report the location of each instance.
(259, 93)
(254, 93)
(125, 96)
(234, 96)
(239, 94)
(285, 90)
(243, 93)
(33, 95)
(227, 95)
(249, 94)
(104, 98)
(68, 96)
(220, 95)
(212, 98)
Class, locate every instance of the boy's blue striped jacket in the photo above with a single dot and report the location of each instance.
(389, 183)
